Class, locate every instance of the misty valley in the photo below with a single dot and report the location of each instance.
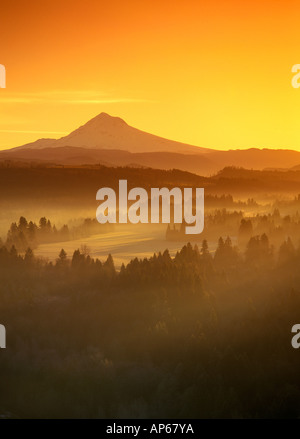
(142, 320)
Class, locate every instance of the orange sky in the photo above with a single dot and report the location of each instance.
(211, 73)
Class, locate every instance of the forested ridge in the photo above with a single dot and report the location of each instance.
(194, 336)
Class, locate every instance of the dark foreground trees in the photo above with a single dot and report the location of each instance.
(196, 335)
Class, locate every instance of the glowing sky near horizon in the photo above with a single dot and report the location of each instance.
(210, 73)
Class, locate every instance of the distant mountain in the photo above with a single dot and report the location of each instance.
(111, 141)
(107, 132)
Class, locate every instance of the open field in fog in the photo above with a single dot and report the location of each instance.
(125, 243)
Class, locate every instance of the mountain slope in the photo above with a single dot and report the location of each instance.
(107, 132)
